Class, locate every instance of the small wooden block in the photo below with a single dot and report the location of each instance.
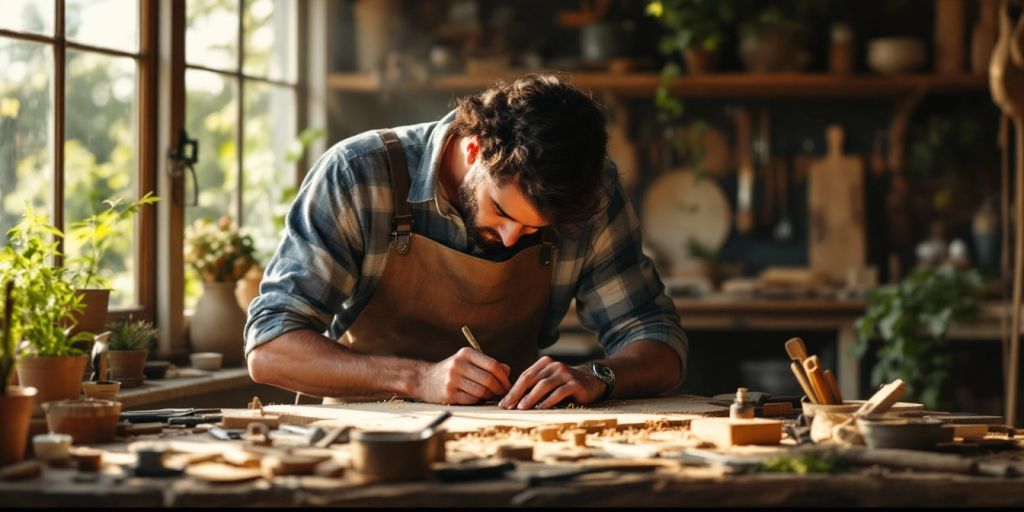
(87, 459)
(777, 409)
(215, 472)
(548, 434)
(242, 419)
(579, 437)
(517, 452)
(21, 470)
(278, 465)
(138, 429)
(726, 432)
(330, 469)
(242, 458)
(969, 432)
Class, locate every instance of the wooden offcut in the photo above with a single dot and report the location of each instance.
(725, 432)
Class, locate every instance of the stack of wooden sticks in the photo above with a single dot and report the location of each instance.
(820, 386)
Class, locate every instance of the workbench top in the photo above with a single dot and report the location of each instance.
(627, 471)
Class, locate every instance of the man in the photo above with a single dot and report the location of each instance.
(494, 217)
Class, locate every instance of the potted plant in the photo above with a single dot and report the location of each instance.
(912, 318)
(221, 256)
(45, 311)
(128, 347)
(775, 38)
(93, 237)
(15, 401)
(696, 28)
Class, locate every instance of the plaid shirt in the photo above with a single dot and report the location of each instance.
(338, 231)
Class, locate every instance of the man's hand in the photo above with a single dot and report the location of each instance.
(468, 377)
(548, 382)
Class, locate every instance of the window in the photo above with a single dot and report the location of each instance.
(76, 125)
(243, 106)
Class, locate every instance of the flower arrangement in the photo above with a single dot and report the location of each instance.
(217, 251)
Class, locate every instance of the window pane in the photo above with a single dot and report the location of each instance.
(269, 172)
(211, 39)
(270, 39)
(106, 23)
(211, 118)
(28, 15)
(26, 129)
(100, 157)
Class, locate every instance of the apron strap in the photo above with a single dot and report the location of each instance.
(547, 246)
(401, 221)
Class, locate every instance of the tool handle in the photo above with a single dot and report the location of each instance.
(833, 386)
(796, 349)
(817, 380)
(801, 377)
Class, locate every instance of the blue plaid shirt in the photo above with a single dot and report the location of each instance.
(338, 230)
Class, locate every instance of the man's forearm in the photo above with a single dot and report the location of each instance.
(308, 362)
(643, 368)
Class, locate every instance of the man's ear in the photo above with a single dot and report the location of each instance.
(472, 149)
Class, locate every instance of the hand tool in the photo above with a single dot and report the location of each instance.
(227, 434)
(471, 339)
(833, 386)
(310, 434)
(817, 379)
(798, 354)
(162, 415)
(883, 399)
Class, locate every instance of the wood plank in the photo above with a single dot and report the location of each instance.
(402, 415)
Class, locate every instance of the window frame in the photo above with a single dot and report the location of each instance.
(146, 93)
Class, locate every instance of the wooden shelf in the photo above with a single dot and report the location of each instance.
(700, 86)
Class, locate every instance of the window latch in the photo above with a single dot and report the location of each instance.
(184, 157)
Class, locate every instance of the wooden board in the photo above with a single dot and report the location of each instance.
(836, 240)
(402, 415)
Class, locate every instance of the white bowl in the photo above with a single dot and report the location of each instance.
(896, 54)
(208, 361)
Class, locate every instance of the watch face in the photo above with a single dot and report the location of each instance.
(604, 373)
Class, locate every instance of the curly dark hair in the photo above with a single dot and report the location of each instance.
(547, 136)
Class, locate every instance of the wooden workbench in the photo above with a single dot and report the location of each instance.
(670, 484)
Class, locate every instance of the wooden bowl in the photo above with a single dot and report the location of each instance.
(896, 54)
(86, 421)
(387, 456)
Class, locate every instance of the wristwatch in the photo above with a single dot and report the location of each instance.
(607, 376)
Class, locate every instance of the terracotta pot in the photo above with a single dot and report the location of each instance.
(15, 411)
(700, 61)
(128, 366)
(218, 322)
(93, 318)
(107, 390)
(249, 287)
(774, 48)
(86, 421)
(55, 378)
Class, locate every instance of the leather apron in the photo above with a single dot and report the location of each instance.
(429, 291)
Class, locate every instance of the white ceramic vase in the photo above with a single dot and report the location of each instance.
(218, 322)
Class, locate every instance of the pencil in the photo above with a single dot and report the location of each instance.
(471, 339)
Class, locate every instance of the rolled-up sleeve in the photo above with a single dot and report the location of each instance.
(620, 296)
(317, 263)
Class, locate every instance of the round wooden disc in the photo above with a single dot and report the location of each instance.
(679, 207)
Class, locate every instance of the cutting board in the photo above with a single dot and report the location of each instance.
(836, 238)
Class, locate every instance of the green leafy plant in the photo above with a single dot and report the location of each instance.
(7, 337)
(912, 318)
(217, 251)
(131, 335)
(46, 307)
(95, 234)
(688, 24)
(828, 462)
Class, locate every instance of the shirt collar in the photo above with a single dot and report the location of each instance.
(424, 183)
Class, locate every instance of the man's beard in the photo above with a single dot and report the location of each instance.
(486, 239)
